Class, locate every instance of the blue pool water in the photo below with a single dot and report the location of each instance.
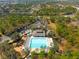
(38, 42)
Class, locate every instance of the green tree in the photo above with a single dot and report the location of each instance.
(51, 54)
(69, 10)
(42, 55)
(33, 55)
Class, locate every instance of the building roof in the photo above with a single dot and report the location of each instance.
(39, 33)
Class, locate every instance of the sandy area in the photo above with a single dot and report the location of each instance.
(19, 50)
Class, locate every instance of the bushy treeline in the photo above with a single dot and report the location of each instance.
(10, 23)
(56, 10)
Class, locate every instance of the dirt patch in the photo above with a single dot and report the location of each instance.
(20, 50)
(64, 45)
(52, 26)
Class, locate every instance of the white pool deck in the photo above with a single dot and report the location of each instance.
(50, 44)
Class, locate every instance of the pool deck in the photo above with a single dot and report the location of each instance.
(36, 34)
(49, 44)
(26, 44)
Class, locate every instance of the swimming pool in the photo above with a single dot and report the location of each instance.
(38, 42)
